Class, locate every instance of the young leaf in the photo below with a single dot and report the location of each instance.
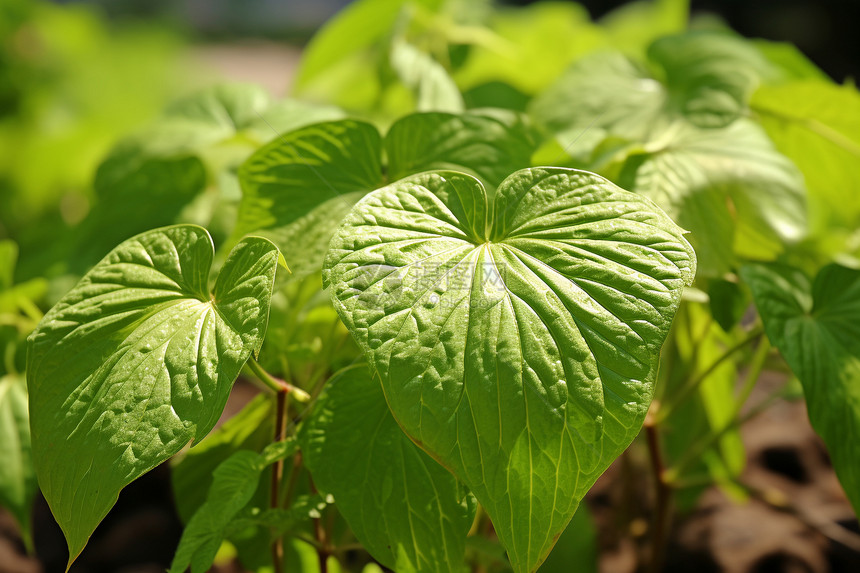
(191, 474)
(816, 327)
(17, 480)
(136, 361)
(233, 485)
(433, 88)
(407, 510)
(516, 344)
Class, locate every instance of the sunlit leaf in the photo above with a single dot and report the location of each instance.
(516, 343)
(136, 361)
(817, 125)
(735, 193)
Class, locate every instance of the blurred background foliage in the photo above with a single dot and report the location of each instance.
(76, 76)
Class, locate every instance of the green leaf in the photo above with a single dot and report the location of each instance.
(730, 187)
(516, 344)
(358, 27)
(136, 361)
(698, 344)
(815, 327)
(8, 259)
(489, 144)
(606, 92)
(817, 125)
(407, 510)
(576, 549)
(427, 79)
(516, 52)
(704, 78)
(233, 484)
(709, 76)
(17, 480)
(729, 302)
(296, 189)
(191, 474)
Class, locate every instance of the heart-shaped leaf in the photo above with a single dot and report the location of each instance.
(735, 193)
(516, 343)
(407, 510)
(136, 361)
(298, 188)
(816, 326)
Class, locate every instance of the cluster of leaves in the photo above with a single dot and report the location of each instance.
(494, 224)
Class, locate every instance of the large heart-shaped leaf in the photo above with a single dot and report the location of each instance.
(516, 343)
(407, 510)
(816, 326)
(136, 361)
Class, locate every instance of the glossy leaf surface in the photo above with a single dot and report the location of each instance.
(136, 361)
(516, 344)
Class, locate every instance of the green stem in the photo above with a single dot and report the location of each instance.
(277, 474)
(695, 451)
(694, 383)
(276, 384)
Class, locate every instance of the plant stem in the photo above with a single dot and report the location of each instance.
(698, 448)
(320, 534)
(277, 473)
(276, 384)
(694, 383)
(662, 494)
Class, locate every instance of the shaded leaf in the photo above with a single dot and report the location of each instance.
(17, 479)
(296, 189)
(489, 144)
(233, 484)
(191, 474)
(816, 327)
(407, 510)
